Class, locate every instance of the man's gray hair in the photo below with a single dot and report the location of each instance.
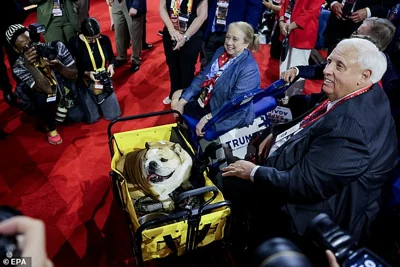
(382, 30)
(368, 56)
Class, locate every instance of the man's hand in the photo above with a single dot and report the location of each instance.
(34, 239)
(200, 126)
(31, 56)
(240, 168)
(332, 259)
(359, 15)
(56, 64)
(289, 75)
(110, 70)
(337, 9)
(132, 12)
(267, 4)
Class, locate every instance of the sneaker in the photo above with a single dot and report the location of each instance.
(167, 101)
(54, 138)
(160, 33)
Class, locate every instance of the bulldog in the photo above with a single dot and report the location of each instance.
(157, 171)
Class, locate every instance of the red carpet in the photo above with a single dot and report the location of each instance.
(68, 186)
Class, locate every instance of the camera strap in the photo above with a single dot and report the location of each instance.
(103, 58)
(46, 71)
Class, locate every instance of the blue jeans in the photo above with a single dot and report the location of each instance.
(109, 109)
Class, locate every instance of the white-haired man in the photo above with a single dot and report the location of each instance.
(336, 160)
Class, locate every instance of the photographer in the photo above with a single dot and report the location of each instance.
(34, 238)
(46, 69)
(93, 52)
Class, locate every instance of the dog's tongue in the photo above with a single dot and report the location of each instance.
(151, 176)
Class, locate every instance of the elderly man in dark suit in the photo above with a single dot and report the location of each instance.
(336, 160)
(342, 24)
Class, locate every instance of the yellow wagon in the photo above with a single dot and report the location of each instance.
(176, 233)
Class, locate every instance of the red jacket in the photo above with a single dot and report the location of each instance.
(305, 14)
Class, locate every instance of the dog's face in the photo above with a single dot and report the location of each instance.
(162, 160)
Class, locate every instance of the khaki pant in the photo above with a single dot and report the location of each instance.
(124, 23)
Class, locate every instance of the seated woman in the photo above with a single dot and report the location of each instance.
(93, 52)
(232, 71)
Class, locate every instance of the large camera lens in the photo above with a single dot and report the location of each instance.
(61, 114)
(8, 244)
(279, 252)
(329, 235)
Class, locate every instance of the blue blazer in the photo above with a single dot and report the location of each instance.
(338, 165)
(238, 10)
(243, 75)
(139, 5)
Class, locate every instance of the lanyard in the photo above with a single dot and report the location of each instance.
(322, 109)
(103, 59)
(176, 7)
(45, 69)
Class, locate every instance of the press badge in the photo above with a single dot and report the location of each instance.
(183, 22)
(222, 12)
(288, 15)
(57, 12)
(288, 133)
(51, 98)
(98, 86)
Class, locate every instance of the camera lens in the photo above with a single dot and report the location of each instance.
(61, 114)
(8, 244)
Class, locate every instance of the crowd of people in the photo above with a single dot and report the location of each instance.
(335, 159)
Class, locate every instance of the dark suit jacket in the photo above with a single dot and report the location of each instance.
(339, 29)
(338, 165)
(238, 10)
(139, 5)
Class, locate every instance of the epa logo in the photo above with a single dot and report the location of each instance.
(15, 262)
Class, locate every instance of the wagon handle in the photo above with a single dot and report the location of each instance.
(199, 192)
(136, 117)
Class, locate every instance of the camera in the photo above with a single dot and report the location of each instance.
(8, 244)
(43, 50)
(104, 77)
(279, 252)
(35, 30)
(327, 235)
(62, 108)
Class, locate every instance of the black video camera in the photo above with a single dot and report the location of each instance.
(35, 30)
(104, 77)
(327, 235)
(8, 244)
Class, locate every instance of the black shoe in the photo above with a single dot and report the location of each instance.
(160, 33)
(10, 99)
(134, 67)
(3, 135)
(119, 63)
(147, 46)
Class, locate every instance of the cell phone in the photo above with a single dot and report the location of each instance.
(174, 43)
